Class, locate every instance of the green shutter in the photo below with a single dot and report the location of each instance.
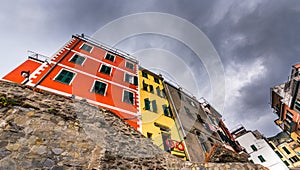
(154, 106)
(147, 104)
(65, 76)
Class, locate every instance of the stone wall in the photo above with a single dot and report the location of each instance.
(40, 130)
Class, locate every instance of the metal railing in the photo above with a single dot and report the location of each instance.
(37, 56)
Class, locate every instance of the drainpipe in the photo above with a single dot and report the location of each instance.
(52, 68)
(184, 134)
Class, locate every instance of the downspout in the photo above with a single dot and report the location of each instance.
(184, 134)
(52, 68)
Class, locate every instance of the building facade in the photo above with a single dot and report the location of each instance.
(198, 123)
(285, 101)
(157, 119)
(258, 148)
(86, 69)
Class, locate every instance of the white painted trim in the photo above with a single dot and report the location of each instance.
(123, 97)
(91, 90)
(66, 70)
(80, 56)
(110, 54)
(100, 61)
(88, 45)
(106, 66)
(130, 63)
(95, 77)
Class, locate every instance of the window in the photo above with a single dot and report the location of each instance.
(180, 96)
(294, 159)
(147, 104)
(149, 135)
(166, 110)
(286, 163)
(145, 86)
(151, 89)
(154, 106)
(261, 158)
(280, 156)
(156, 80)
(99, 88)
(110, 57)
(253, 147)
(297, 104)
(77, 59)
(188, 112)
(65, 77)
(272, 146)
(286, 150)
(86, 47)
(251, 161)
(129, 78)
(128, 97)
(105, 69)
(204, 147)
(199, 118)
(144, 74)
(129, 65)
(158, 91)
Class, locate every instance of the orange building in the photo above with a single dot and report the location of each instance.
(86, 69)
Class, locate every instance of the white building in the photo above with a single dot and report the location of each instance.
(258, 148)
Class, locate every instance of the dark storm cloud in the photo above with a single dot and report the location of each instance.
(257, 40)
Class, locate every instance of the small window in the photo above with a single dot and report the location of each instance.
(200, 119)
(294, 159)
(156, 80)
(151, 89)
(154, 106)
(251, 161)
(147, 104)
(253, 147)
(286, 150)
(129, 78)
(65, 77)
(129, 65)
(286, 163)
(145, 86)
(77, 59)
(272, 146)
(166, 110)
(99, 88)
(128, 97)
(280, 156)
(158, 91)
(144, 74)
(86, 47)
(110, 57)
(261, 158)
(105, 69)
(149, 135)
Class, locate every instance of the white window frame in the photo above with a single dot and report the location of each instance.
(130, 63)
(66, 70)
(107, 66)
(91, 90)
(110, 54)
(133, 97)
(129, 75)
(79, 55)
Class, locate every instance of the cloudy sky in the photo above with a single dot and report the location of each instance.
(257, 42)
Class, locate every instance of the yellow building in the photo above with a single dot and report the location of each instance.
(157, 120)
(286, 151)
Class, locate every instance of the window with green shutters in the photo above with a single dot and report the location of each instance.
(158, 91)
(65, 77)
(154, 106)
(156, 80)
(145, 86)
(286, 150)
(286, 163)
(280, 156)
(99, 88)
(110, 57)
(166, 110)
(147, 104)
(77, 59)
(105, 69)
(128, 97)
(261, 158)
(86, 47)
(151, 89)
(144, 74)
(253, 147)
